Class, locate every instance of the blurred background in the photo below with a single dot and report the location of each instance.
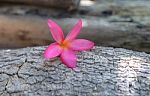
(116, 23)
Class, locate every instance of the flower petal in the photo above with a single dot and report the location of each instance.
(56, 31)
(75, 31)
(68, 57)
(52, 51)
(81, 44)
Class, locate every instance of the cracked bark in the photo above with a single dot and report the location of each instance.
(102, 71)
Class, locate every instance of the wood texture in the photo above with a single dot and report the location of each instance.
(67, 4)
(122, 8)
(103, 71)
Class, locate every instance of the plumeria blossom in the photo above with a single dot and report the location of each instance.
(67, 47)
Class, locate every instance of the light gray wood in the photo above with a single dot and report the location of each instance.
(102, 71)
(122, 8)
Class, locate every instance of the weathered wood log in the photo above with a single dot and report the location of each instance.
(103, 71)
(20, 31)
(123, 8)
(67, 4)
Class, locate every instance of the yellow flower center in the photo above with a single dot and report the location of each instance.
(64, 44)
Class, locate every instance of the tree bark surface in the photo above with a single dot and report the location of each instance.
(102, 71)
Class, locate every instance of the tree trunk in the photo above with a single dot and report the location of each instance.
(103, 71)
(69, 4)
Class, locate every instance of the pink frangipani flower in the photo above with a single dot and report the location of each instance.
(66, 47)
